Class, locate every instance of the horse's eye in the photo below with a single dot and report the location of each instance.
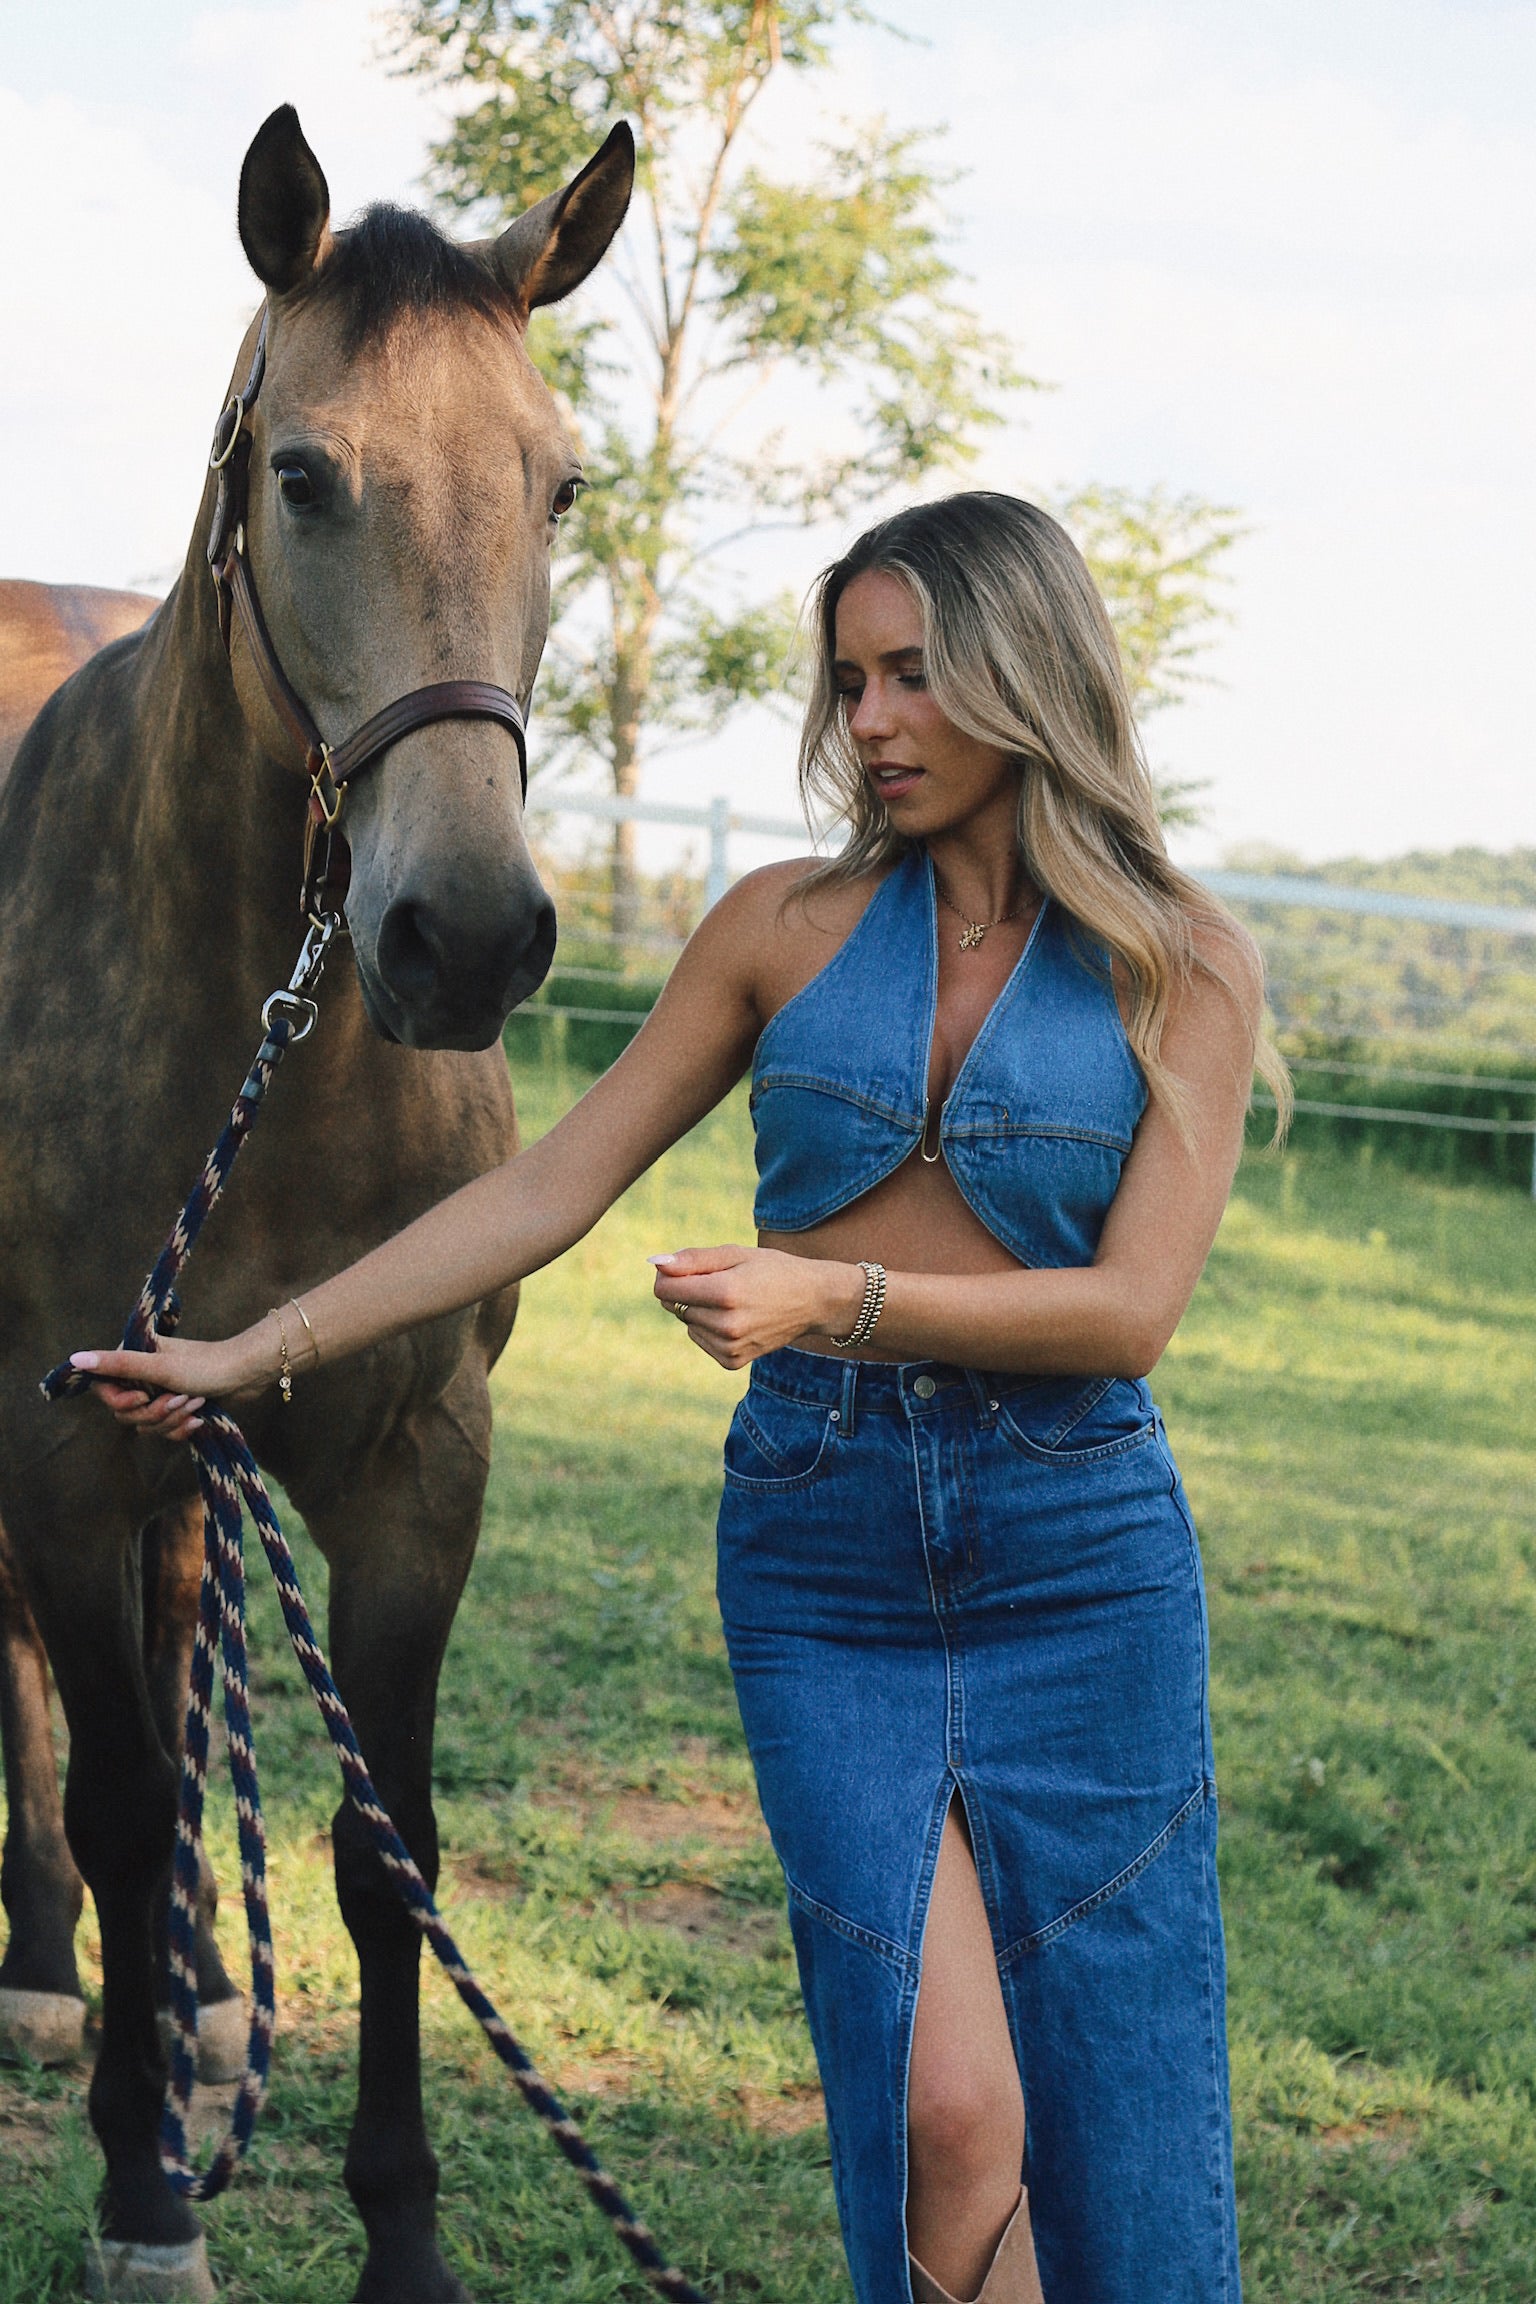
(565, 496)
(294, 484)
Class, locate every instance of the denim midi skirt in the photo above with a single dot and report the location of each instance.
(940, 1584)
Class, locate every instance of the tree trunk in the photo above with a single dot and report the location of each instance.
(631, 688)
(623, 873)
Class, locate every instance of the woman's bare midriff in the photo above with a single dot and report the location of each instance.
(916, 1221)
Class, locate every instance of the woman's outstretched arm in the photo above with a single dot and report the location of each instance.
(690, 1051)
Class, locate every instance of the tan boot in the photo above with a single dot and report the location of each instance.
(1012, 2277)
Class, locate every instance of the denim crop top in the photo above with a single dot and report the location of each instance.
(1037, 1125)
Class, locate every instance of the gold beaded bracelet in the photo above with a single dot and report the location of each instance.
(285, 1364)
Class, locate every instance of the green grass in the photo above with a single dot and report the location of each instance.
(1351, 1399)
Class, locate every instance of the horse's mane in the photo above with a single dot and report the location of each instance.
(394, 261)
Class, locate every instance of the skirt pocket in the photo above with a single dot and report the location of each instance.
(776, 1443)
(1077, 1420)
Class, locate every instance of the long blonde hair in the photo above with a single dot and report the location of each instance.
(1019, 652)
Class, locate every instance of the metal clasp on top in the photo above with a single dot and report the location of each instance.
(293, 1000)
(330, 808)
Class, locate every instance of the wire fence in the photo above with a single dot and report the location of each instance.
(1399, 1013)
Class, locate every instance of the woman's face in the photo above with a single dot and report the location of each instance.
(931, 776)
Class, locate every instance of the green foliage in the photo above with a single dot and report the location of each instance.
(729, 276)
(1381, 1075)
(1350, 1402)
(1156, 558)
(1404, 991)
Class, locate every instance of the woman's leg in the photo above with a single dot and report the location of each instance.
(965, 2106)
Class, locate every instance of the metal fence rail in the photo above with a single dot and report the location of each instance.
(1286, 891)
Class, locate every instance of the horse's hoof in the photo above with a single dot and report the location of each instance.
(40, 2027)
(223, 2035)
(428, 2283)
(132, 2272)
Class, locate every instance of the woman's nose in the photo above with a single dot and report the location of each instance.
(871, 716)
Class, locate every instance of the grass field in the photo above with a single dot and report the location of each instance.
(1351, 1397)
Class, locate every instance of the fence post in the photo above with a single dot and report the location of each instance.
(719, 878)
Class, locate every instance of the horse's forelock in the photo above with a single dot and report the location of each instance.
(393, 262)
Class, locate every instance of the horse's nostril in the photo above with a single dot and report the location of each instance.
(450, 975)
(409, 953)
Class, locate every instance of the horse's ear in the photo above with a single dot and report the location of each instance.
(552, 247)
(285, 204)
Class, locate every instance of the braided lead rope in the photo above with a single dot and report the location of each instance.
(230, 1479)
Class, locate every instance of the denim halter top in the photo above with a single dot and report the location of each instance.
(1038, 1123)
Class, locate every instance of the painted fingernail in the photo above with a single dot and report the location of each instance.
(671, 1257)
(85, 1359)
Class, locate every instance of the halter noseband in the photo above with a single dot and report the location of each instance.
(329, 768)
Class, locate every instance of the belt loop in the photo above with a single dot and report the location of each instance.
(981, 1393)
(850, 1389)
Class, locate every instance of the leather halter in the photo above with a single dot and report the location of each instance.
(329, 768)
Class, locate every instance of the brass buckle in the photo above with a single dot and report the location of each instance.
(330, 809)
(218, 457)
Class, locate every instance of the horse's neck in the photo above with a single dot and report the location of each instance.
(218, 829)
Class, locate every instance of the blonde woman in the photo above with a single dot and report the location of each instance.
(1001, 1054)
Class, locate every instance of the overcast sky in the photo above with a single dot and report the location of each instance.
(1276, 252)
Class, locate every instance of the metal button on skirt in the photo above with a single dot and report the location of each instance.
(937, 1584)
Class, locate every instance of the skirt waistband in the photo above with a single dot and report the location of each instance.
(886, 1387)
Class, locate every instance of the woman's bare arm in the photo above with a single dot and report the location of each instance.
(1112, 1317)
(687, 1055)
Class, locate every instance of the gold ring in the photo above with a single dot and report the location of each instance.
(682, 1310)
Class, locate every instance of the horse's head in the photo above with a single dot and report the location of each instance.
(408, 469)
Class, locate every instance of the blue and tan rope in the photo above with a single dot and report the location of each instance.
(231, 1483)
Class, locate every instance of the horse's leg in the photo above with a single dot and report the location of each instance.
(42, 2012)
(120, 1814)
(170, 1573)
(400, 1546)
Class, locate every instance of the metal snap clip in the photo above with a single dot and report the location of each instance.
(924, 1387)
(302, 1013)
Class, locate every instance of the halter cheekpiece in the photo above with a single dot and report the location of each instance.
(330, 768)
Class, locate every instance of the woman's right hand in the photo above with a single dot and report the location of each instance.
(160, 1393)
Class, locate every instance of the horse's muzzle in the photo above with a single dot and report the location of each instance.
(435, 984)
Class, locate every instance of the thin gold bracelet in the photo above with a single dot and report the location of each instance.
(309, 1332)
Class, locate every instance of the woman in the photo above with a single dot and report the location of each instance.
(1001, 1056)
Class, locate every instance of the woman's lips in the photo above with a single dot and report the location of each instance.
(891, 779)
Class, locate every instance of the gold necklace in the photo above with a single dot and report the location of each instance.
(974, 930)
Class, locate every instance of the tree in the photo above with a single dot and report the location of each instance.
(1156, 559)
(727, 279)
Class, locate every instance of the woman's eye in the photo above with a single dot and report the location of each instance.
(849, 695)
(294, 484)
(565, 496)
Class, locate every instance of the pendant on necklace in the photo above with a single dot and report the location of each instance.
(974, 932)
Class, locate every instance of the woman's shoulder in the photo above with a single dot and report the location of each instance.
(782, 923)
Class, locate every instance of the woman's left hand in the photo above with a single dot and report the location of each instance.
(739, 1303)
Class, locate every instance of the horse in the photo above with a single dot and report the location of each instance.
(48, 631)
(403, 469)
